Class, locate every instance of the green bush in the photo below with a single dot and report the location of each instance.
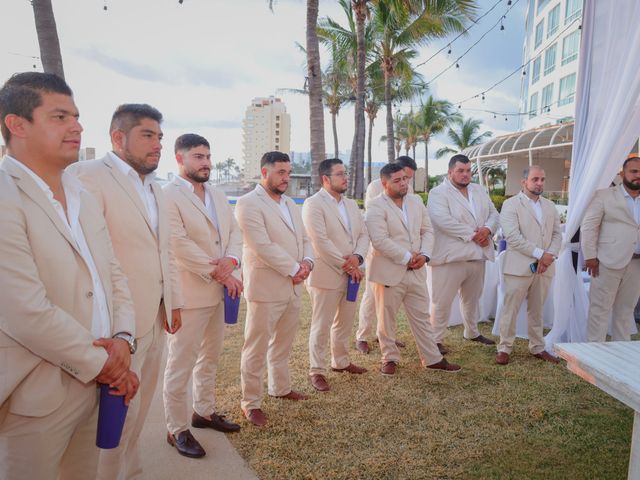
(424, 196)
(498, 200)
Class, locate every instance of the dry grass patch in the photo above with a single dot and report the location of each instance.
(529, 420)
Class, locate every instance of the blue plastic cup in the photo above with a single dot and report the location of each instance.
(352, 289)
(231, 308)
(111, 415)
(502, 245)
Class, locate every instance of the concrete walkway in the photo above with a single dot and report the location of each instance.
(162, 461)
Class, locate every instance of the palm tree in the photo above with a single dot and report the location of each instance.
(464, 135)
(357, 149)
(433, 118)
(47, 37)
(401, 26)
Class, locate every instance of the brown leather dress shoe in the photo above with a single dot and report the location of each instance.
(293, 395)
(388, 369)
(363, 346)
(547, 357)
(502, 358)
(217, 422)
(482, 339)
(443, 350)
(319, 382)
(351, 368)
(445, 366)
(256, 417)
(399, 344)
(186, 445)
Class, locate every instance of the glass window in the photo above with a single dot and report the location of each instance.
(533, 105)
(547, 98)
(570, 47)
(567, 90)
(535, 75)
(550, 59)
(573, 10)
(541, 5)
(554, 21)
(539, 33)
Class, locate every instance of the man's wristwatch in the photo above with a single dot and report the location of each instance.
(360, 259)
(130, 339)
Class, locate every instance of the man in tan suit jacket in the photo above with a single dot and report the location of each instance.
(136, 214)
(610, 238)
(62, 291)
(464, 220)
(340, 242)
(207, 245)
(367, 310)
(277, 258)
(402, 240)
(531, 226)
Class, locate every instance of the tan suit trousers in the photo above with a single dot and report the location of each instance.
(516, 288)
(268, 336)
(412, 293)
(613, 291)
(193, 351)
(332, 315)
(466, 278)
(124, 462)
(367, 312)
(61, 445)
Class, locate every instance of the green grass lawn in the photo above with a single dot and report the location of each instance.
(528, 420)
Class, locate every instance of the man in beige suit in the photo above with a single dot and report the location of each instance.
(464, 220)
(63, 295)
(340, 242)
(368, 306)
(207, 245)
(531, 226)
(136, 214)
(277, 258)
(402, 240)
(610, 238)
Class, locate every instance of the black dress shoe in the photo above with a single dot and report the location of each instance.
(482, 339)
(217, 422)
(186, 444)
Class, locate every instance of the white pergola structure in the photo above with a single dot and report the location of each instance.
(550, 147)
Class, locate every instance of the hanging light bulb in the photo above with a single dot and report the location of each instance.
(180, 1)
(483, 97)
(509, 3)
(105, 7)
(459, 106)
(506, 119)
(34, 66)
(501, 25)
(524, 72)
(494, 116)
(457, 65)
(449, 51)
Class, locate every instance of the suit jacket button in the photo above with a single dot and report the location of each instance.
(89, 294)
(217, 242)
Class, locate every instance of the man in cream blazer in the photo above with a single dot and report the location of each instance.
(136, 214)
(277, 258)
(531, 226)
(402, 240)
(464, 220)
(610, 239)
(207, 245)
(340, 242)
(62, 291)
(368, 306)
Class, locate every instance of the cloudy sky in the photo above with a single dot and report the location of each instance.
(201, 63)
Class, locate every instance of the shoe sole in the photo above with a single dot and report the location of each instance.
(217, 429)
(443, 370)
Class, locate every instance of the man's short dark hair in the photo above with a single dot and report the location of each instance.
(326, 165)
(405, 161)
(631, 158)
(458, 158)
(273, 157)
(189, 141)
(389, 169)
(22, 94)
(129, 115)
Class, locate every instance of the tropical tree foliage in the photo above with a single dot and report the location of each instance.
(463, 134)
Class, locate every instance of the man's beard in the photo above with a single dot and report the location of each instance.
(631, 185)
(460, 185)
(196, 177)
(535, 193)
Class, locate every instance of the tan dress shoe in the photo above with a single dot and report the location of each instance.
(547, 357)
(388, 369)
(256, 417)
(351, 368)
(445, 366)
(363, 346)
(483, 340)
(502, 358)
(319, 382)
(293, 395)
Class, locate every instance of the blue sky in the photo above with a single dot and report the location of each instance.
(202, 62)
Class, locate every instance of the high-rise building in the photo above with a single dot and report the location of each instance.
(87, 153)
(266, 127)
(550, 51)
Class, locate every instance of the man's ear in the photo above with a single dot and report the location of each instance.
(16, 125)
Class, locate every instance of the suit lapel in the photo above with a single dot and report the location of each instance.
(333, 206)
(298, 228)
(163, 220)
(353, 211)
(459, 198)
(272, 205)
(220, 208)
(527, 206)
(397, 211)
(622, 202)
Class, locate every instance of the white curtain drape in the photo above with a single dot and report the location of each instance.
(607, 126)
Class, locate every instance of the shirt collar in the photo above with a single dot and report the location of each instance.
(184, 182)
(526, 197)
(127, 170)
(283, 197)
(626, 194)
(328, 195)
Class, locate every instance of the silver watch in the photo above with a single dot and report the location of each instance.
(130, 339)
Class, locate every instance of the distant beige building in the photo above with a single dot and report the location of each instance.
(87, 153)
(266, 127)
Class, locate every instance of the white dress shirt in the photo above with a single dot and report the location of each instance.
(143, 188)
(342, 209)
(537, 209)
(634, 209)
(100, 319)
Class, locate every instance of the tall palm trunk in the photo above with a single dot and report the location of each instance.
(357, 150)
(336, 150)
(316, 113)
(47, 37)
(426, 164)
(369, 156)
(387, 103)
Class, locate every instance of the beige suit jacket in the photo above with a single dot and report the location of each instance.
(271, 247)
(46, 297)
(608, 231)
(391, 239)
(454, 223)
(145, 259)
(196, 241)
(523, 234)
(332, 239)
